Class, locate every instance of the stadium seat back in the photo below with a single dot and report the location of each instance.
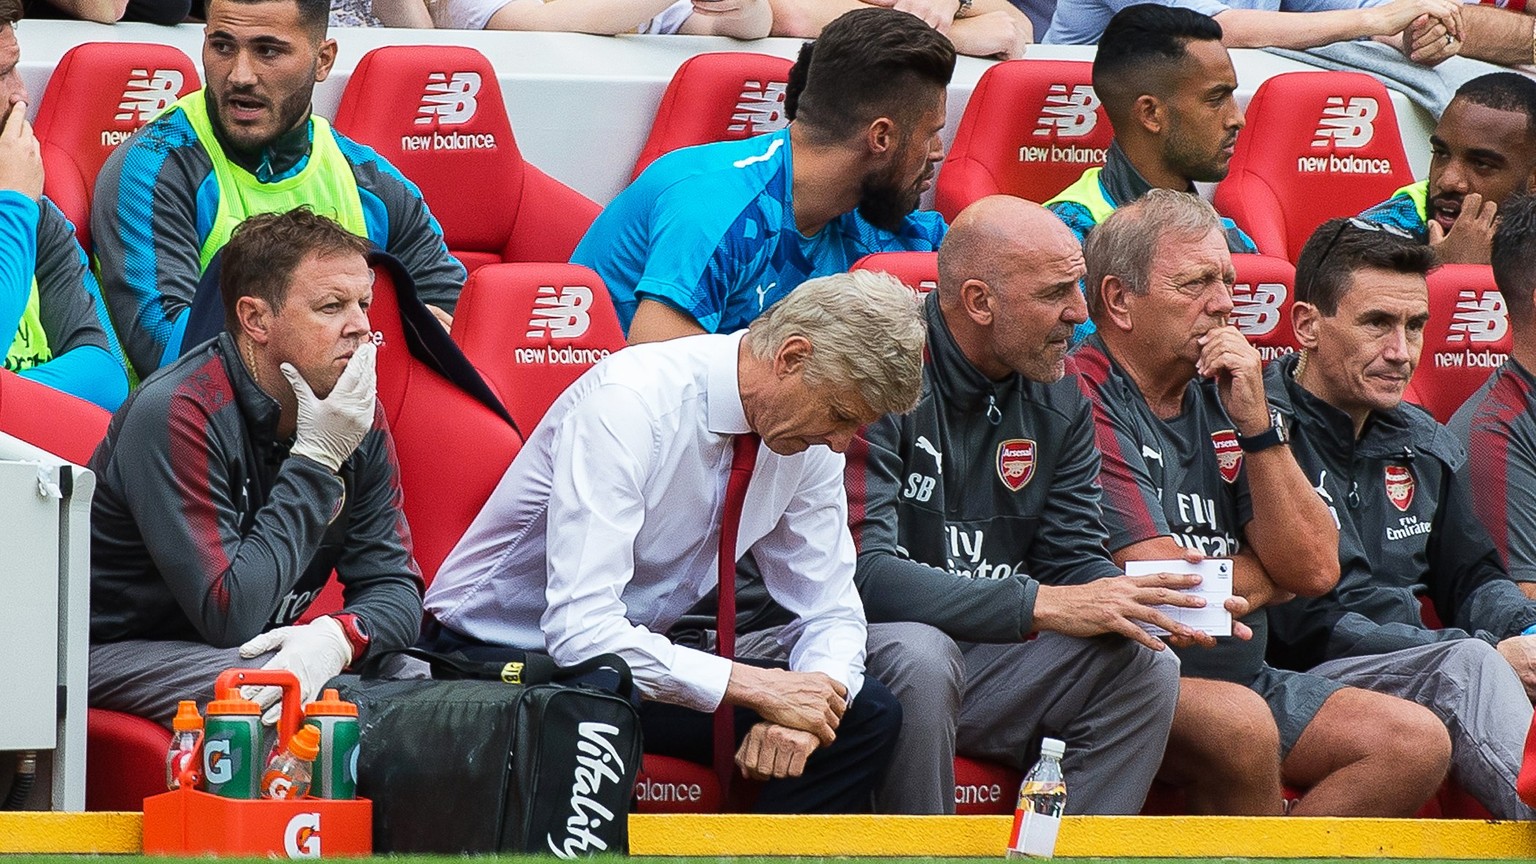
(124, 760)
(1261, 303)
(1317, 145)
(919, 271)
(99, 94)
(64, 425)
(1467, 338)
(533, 329)
(721, 96)
(435, 112)
(452, 448)
(1030, 129)
(666, 784)
(985, 788)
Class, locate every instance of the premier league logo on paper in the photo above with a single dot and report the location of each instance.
(1016, 462)
(1229, 455)
(1399, 486)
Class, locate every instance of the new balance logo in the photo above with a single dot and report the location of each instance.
(1256, 308)
(1478, 319)
(562, 313)
(147, 93)
(450, 101)
(1347, 125)
(1068, 115)
(759, 109)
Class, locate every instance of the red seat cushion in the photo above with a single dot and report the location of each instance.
(1030, 129)
(533, 329)
(1261, 303)
(669, 785)
(918, 271)
(1318, 145)
(985, 788)
(435, 112)
(1467, 338)
(722, 96)
(124, 760)
(98, 95)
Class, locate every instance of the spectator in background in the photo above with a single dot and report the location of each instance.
(978, 28)
(708, 237)
(1482, 153)
(1398, 486)
(742, 19)
(167, 198)
(48, 298)
(1497, 425)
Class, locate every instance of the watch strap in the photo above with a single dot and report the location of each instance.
(356, 633)
(1270, 437)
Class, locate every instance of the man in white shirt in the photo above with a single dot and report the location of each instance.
(606, 529)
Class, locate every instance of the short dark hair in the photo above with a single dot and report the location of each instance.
(314, 15)
(1142, 37)
(265, 250)
(10, 11)
(865, 65)
(1340, 247)
(1503, 91)
(1514, 257)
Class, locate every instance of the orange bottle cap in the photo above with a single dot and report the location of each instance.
(237, 705)
(305, 743)
(330, 704)
(187, 719)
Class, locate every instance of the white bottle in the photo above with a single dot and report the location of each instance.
(1042, 798)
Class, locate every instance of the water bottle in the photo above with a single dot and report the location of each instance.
(336, 766)
(184, 729)
(289, 772)
(1042, 798)
(231, 748)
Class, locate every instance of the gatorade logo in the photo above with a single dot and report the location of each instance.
(301, 839)
(561, 313)
(449, 101)
(1347, 125)
(759, 109)
(218, 762)
(1068, 114)
(352, 765)
(277, 785)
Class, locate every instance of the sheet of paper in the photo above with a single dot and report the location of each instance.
(1215, 586)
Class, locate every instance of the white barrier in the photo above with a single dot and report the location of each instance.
(581, 106)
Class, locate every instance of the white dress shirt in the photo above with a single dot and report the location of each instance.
(606, 529)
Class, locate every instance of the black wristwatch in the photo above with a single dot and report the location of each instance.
(1278, 433)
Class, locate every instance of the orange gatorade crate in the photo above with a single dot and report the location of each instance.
(189, 822)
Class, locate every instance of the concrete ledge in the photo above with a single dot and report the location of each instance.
(71, 833)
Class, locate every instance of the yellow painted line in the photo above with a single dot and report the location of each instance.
(1081, 836)
(71, 833)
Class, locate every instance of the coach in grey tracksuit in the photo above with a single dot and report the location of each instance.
(977, 520)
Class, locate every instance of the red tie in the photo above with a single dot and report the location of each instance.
(743, 460)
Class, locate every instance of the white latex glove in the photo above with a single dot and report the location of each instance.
(315, 653)
(330, 429)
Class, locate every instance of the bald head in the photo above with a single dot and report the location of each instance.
(1008, 287)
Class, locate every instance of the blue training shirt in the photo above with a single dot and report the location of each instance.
(710, 231)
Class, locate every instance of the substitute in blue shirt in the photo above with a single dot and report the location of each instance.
(708, 237)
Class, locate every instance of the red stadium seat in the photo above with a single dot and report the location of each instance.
(985, 788)
(669, 785)
(100, 93)
(124, 760)
(1318, 145)
(62, 424)
(436, 113)
(1467, 338)
(1030, 129)
(918, 271)
(1262, 301)
(532, 329)
(723, 96)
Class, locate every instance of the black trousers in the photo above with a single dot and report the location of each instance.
(840, 778)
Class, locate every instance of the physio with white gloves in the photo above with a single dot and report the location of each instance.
(237, 480)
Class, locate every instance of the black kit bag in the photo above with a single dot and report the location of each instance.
(516, 763)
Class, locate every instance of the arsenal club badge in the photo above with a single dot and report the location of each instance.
(1016, 462)
(1229, 454)
(1399, 486)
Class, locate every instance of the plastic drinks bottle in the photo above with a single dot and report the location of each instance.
(231, 745)
(289, 772)
(184, 729)
(1042, 798)
(336, 766)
